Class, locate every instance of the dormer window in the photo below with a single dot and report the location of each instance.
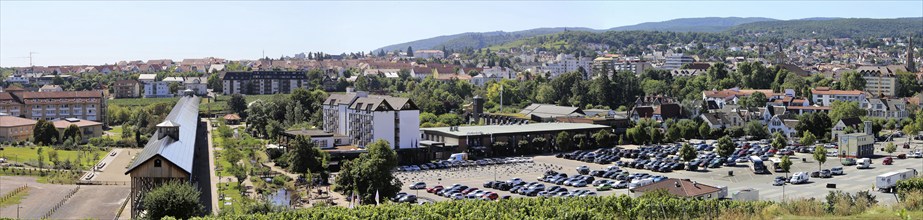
(168, 129)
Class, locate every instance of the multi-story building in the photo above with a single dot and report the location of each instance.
(264, 82)
(89, 105)
(881, 80)
(335, 111)
(14, 129)
(198, 85)
(564, 63)
(676, 61)
(396, 120)
(824, 96)
(154, 88)
(9, 105)
(127, 89)
(425, 54)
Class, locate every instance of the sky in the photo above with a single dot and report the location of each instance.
(105, 32)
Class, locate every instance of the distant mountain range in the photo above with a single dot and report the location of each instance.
(836, 27)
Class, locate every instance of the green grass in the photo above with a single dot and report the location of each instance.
(116, 133)
(52, 176)
(231, 190)
(15, 199)
(880, 213)
(29, 154)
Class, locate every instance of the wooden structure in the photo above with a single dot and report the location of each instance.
(169, 155)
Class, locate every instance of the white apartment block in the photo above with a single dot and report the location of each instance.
(564, 63)
(824, 96)
(264, 82)
(154, 88)
(880, 80)
(676, 61)
(366, 119)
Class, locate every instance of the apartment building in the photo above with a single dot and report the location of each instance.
(365, 119)
(127, 89)
(676, 61)
(564, 63)
(89, 105)
(825, 96)
(154, 88)
(880, 80)
(264, 82)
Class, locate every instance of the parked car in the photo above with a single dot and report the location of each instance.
(780, 180)
(825, 173)
(888, 161)
(837, 171)
(418, 185)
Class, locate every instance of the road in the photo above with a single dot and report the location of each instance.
(211, 168)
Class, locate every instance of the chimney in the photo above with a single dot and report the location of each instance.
(868, 127)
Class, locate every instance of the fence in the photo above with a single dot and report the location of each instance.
(13, 193)
(95, 182)
(61, 203)
(121, 209)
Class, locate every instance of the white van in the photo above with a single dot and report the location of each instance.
(639, 183)
(863, 163)
(799, 178)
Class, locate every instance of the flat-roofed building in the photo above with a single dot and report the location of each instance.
(89, 105)
(480, 140)
(264, 82)
(88, 129)
(825, 96)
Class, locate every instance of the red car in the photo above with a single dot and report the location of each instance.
(491, 196)
(434, 189)
(888, 161)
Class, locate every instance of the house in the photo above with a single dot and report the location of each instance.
(683, 188)
(128, 88)
(198, 85)
(733, 95)
(722, 120)
(264, 82)
(50, 88)
(844, 126)
(232, 119)
(15, 129)
(888, 108)
(547, 112)
(89, 105)
(173, 153)
(824, 96)
(785, 124)
(484, 78)
(88, 129)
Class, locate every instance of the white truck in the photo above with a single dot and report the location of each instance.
(458, 157)
(863, 163)
(799, 178)
(886, 182)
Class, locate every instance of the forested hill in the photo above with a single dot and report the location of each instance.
(832, 28)
(477, 40)
(765, 28)
(710, 24)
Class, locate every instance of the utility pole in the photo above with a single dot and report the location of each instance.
(501, 98)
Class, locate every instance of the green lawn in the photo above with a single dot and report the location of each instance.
(29, 154)
(116, 133)
(16, 199)
(232, 191)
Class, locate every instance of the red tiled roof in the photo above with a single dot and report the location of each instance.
(680, 187)
(13, 121)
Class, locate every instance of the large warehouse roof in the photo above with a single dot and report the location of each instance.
(512, 129)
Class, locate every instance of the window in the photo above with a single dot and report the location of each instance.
(157, 163)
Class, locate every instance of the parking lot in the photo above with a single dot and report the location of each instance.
(853, 180)
(113, 171)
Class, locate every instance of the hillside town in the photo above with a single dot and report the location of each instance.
(718, 123)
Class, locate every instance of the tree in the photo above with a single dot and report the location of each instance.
(756, 100)
(786, 164)
(688, 153)
(840, 110)
(72, 132)
(704, 131)
(237, 103)
(238, 172)
(562, 141)
(370, 173)
(808, 139)
(725, 146)
(44, 133)
(818, 123)
(820, 155)
(603, 138)
(778, 141)
(656, 136)
(304, 157)
(852, 81)
(890, 148)
(41, 158)
(756, 130)
(409, 51)
(175, 199)
(215, 83)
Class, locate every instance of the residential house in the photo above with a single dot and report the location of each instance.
(50, 88)
(658, 108)
(721, 120)
(888, 108)
(841, 126)
(785, 124)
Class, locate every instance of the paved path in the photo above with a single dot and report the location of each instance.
(211, 168)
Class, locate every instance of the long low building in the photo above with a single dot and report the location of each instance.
(478, 140)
